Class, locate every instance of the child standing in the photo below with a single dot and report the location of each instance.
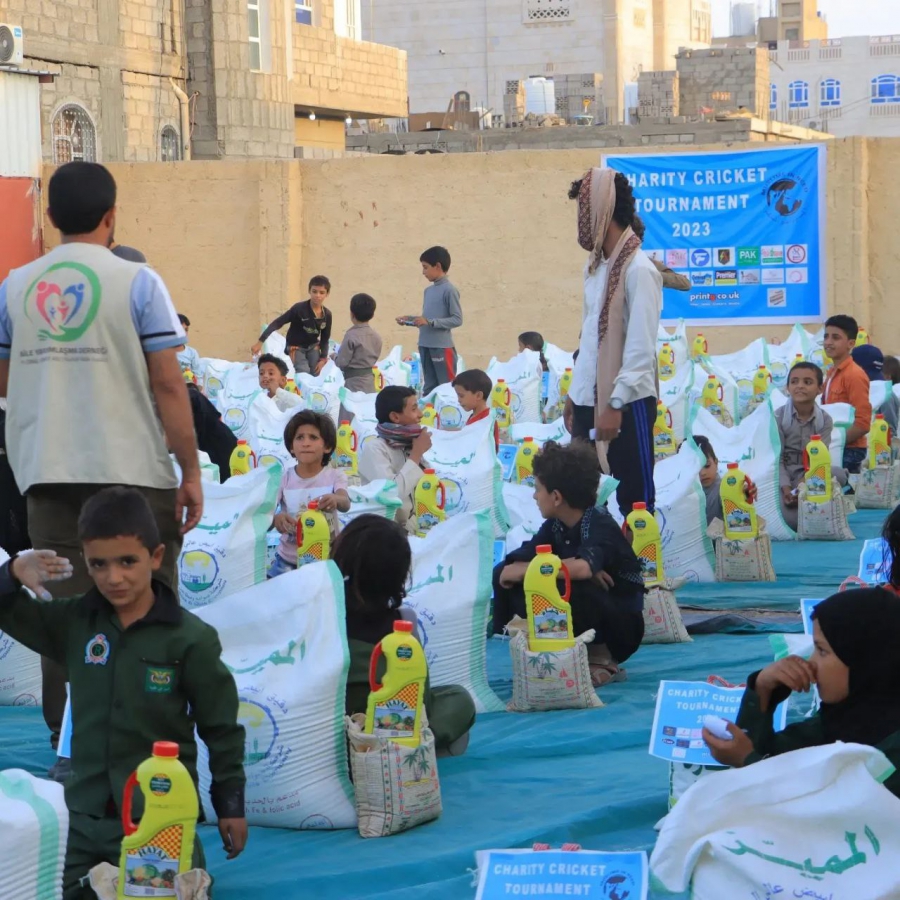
(105, 640)
(856, 667)
(798, 420)
(441, 312)
(607, 584)
(848, 383)
(473, 388)
(374, 557)
(309, 329)
(188, 357)
(309, 437)
(272, 379)
(361, 347)
(396, 453)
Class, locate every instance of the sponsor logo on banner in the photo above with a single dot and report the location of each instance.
(748, 256)
(748, 276)
(772, 256)
(773, 276)
(702, 279)
(798, 276)
(724, 256)
(701, 257)
(786, 196)
(726, 277)
(797, 254)
(677, 259)
(776, 298)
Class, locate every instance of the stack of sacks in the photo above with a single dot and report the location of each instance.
(740, 367)
(322, 393)
(378, 498)
(783, 356)
(361, 407)
(451, 415)
(393, 370)
(755, 445)
(238, 395)
(466, 462)
(558, 361)
(522, 375)
(678, 341)
(266, 434)
(451, 595)
(285, 642)
(213, 373)
(35, 824)
(20, 669)
(678, 396)
(730, 399)
(227, 552)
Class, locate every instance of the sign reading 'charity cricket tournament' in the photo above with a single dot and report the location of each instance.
(746, 228)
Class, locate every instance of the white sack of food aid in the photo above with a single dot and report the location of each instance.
(681, 513)
(783, 356)
(741, 367)
(276, 345)
(378, 498)
(393, 369)
(558, 360)
(521, 507)
(677, 340)
(20, 669)
(522, 375)
(451, 596)
(677, 395)
(815, 823)
(226, 552)
(35, 823)
(359, 404)
(843, 415)
(466, 462)
(214, 372)
(880, 392)
(322, 393)
(755, 445)
(266, 434)
(552, 431)
(285, 642)
(240, 392)
(451, 415)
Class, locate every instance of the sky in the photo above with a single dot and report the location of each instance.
(846, 18)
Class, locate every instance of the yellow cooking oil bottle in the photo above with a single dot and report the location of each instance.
(345, 453)
(862, 337)
(431, 498)
(243, 459)
(291, 386)
(762, 382)
(379, 378)
(817, 462)
(394, 710)
(501, 400)
(430, 417)
(313, 535)
(565, 382)
(741, 522)
(712, 397)
(663, 432)
(666, 360)
(524, 462)
(189, 377)
(548, 611)
(880, 453)
(162, 845)
(646, 542)
(700, 346)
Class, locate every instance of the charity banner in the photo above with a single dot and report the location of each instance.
(747, 228)
(581, 873)
(678, 722)
(807, 605)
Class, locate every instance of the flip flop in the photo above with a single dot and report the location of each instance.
(606, 674)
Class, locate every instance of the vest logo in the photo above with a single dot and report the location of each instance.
(63, 302)
(159, 680)
(96, 652)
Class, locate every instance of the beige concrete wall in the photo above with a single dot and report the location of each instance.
(237, 242)
(327, 133)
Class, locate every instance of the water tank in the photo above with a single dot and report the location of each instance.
(540, 96)
(743, 19)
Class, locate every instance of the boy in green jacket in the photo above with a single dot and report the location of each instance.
(140, 670)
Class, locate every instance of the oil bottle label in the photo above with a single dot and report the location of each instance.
(150, 870)
(736, 518)
(396, 718)
(815, 482)
(160, 785)
(549, 622)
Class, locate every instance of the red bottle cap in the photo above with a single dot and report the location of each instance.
(403, 625)
(242, 442)
(313, 504)
(639, 506)
(166, 749)
(544, 548)
(529, 439)
(879, 416)
(429, 471)
(732, 465)
(816, 437)
(345, 421)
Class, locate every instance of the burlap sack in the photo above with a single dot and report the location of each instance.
(878, 488)
(745, 559)
(662, 619)
(823, 521)
(396, 787)
(558, 679)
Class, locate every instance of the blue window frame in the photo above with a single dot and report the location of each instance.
(886, 89)
(773, 96)
(302, 13)
(830, 92)
(798, 94)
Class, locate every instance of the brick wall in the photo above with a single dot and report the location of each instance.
(73, 84)
(723, 80)
(74, 20)
(150, 105)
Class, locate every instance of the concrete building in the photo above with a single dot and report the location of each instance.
(723, 80)
(479, 46)
(848, 86)
(145, 80)
(797, 20)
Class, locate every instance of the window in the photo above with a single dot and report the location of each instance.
(798, 95)
(74, 137)
(255, 43)
(830, 92)
(303, 14)
(546, 10)
(773, 96)
(169, 151)
(886, 89)
(792, 34)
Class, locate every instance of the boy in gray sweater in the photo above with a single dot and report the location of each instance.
(441, 313)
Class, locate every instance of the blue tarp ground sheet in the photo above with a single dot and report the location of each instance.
(579, 776)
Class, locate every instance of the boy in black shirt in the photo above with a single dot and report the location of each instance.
(607, 584)
(309, 332)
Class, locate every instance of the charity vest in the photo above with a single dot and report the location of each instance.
(80, 407)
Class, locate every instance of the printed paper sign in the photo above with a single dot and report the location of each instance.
(558, 873)
(875, 562)
(678, 721)
(806, 607)
(507, 456)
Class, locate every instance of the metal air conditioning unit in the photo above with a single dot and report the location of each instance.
(12, 45)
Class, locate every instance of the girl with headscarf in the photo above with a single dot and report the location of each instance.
(856, 667)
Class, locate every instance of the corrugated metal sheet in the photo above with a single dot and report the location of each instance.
(20, 125)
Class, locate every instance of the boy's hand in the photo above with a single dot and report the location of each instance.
(256, 349)
(568, 413)
(750, 491)
(732, 753)
(285, 523)
(32, 568)
(321, 364)
(604, 580)
(327, 502)
(788, 497)
(419, 321)
(234, 836)
(792, 672)
(513, 574)
(420, 446)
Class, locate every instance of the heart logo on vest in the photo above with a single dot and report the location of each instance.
(63, 301)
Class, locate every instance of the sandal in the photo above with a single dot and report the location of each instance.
(602, 674)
